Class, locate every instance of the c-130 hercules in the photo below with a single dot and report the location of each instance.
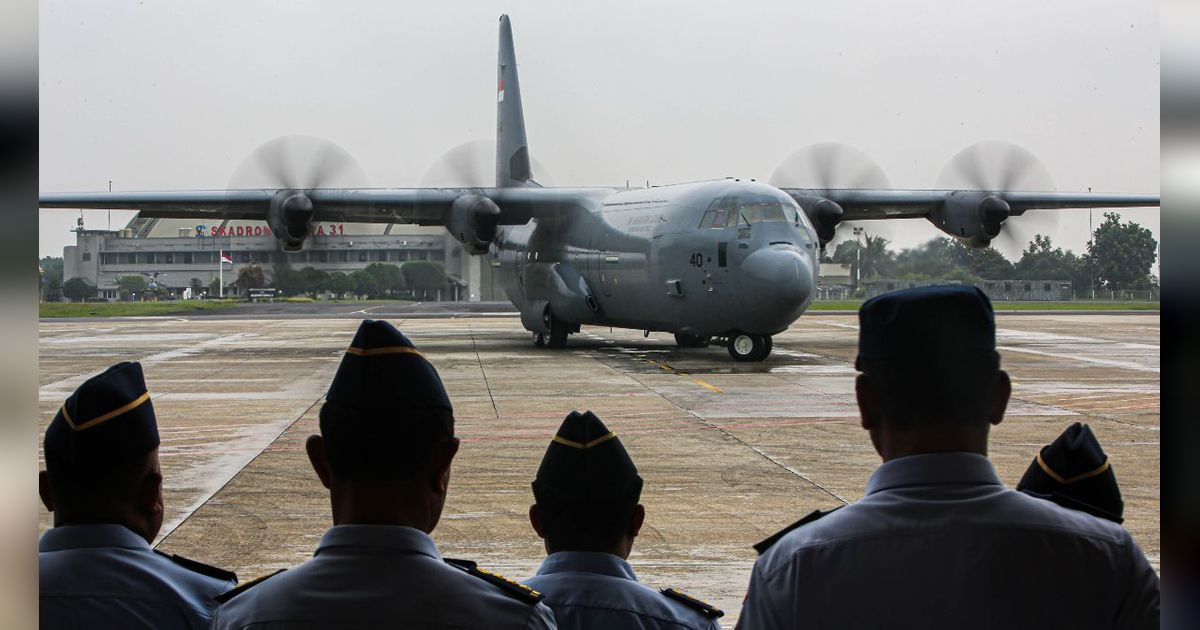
(727, 260)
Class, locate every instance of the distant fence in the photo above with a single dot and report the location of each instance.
(996, 290)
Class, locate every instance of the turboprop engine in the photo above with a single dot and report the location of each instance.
(290, 219)
(974, 218)
(472, 221)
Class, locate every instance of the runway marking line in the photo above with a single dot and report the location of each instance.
(666, 367)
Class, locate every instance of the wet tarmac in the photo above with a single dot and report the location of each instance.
(730, 452)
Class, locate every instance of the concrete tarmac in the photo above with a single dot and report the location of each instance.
(730, 452)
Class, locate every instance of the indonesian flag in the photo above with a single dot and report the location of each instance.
(500, 92)
(225, 258)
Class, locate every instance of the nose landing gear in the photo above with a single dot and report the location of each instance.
(747, 347)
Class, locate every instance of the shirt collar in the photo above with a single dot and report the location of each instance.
(80, 536)
(395, 538)
(931, 469)
(587, 562)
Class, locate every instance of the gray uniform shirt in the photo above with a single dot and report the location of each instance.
(376, 576)
(938, 542)
(106, 576)
(599, 591)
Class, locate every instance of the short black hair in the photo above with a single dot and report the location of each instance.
(85, 487)
(934, 389)
(372, 444)
(596, 526)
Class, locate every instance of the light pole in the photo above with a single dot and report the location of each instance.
(858, 231)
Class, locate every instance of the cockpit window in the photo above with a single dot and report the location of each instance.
(726, 212)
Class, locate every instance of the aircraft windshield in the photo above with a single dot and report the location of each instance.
(726, 212)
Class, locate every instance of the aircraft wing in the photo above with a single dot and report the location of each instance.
(425, 206)
(863, 204)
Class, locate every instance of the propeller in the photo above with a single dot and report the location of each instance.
(998, 166)
(296, 165)
(472, 164)
(300, 163)
(832, 165)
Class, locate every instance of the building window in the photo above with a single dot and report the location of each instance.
(322, 256)
(399, 255)
(380, 255)
(170, 258)
(187, 258)
(109, 259)
(87, 255)
(344, 256)
(1046, 287)
(362, 256)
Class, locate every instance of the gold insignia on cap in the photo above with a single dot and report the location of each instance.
(1066, 480)
(585, 445)
(371, 352)
(108, 416)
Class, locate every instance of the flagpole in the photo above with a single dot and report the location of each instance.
(220, 273)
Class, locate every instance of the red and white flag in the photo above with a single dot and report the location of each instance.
(500, 92)
(225, 258)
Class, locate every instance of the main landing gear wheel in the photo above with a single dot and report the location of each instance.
(539, 340)
(745, 347)
(692, 341)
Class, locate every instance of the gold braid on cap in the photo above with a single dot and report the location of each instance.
(1067, 480)
(371, 352)
(108, 416)
(585, 445)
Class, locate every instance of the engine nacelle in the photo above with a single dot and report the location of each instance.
(472, 221)
(290, 219)
(824, 214)
(974, 218)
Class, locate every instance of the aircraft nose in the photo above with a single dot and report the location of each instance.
(778, 283)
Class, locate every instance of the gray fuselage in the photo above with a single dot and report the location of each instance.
(709, 258)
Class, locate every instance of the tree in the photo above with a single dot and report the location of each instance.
(197, 287)
(388, 276)
(250, 277)
(285, 279)
(78, 289)
(52, 278)
(340, 284)
(876, 259)
(131, 286)
(425, 276)
(365, 284)
(1122, 253)
(313, 280)
(214, 288)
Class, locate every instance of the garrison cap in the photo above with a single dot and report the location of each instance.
(383, 369)
(926, 324)
(108, 418)
(586, 464)
(1074, 472)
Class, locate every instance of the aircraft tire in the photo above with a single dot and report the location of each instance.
(539, 340)
(746, 347)
(558, 335)
(685, 340)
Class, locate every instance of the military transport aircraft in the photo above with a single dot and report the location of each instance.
(727, 261)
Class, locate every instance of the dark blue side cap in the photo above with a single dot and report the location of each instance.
(108, 418)
(383, 369)
(926, 322)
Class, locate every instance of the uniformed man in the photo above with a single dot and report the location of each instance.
(937, 541)
(102, 482)
(384, 453)
(1074, 472)
(586, 508)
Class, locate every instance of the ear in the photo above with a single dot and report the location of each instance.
(439, 464)
(1000, 398)
(868, 405)
(44, 490)
(315, 445)
(635, 523)
(535, 519)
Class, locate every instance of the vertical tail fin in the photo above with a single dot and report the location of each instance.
(512, 150)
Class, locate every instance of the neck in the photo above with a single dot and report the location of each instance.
(935, 438)
(383, 503)
(66, 518)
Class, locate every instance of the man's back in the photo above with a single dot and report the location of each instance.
(939, 542)
(105, 576)
(599, 590)
(371, 576)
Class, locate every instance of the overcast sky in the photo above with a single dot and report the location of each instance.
(174, 94)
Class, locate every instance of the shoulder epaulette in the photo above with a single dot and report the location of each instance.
(199, 567)
(707, 610)
(514, 588)
(767, 543)
(242, 588)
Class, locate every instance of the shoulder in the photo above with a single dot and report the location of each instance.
(767, 543)
(1026, 510)
(245, 586)
(512, 588)
(704, 609)
(198, 568)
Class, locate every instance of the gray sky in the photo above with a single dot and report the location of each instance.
(174, 94)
